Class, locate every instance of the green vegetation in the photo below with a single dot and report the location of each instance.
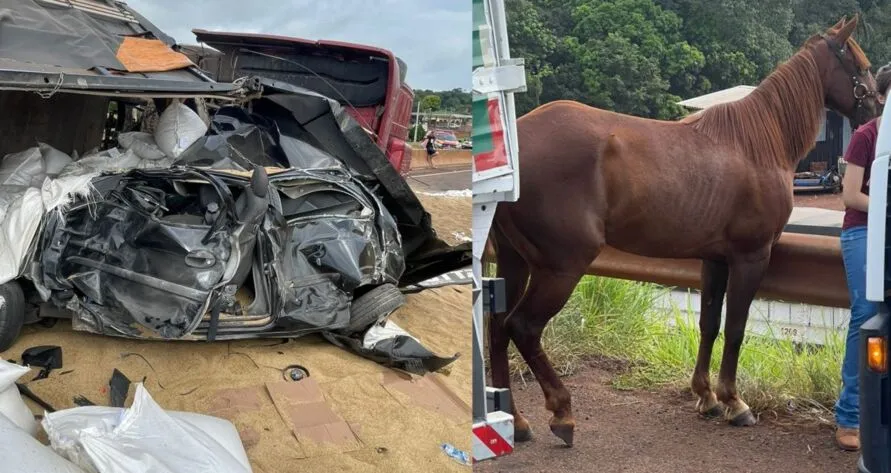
(417, 131)
(451, 101)
(617, 319)
(642, 56)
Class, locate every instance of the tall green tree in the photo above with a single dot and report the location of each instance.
(624, 55)
(532, 39)
(643, 56)
(453, 101)
(430, 103)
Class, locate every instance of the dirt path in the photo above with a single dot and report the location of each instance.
(820, 200)
(637, 432)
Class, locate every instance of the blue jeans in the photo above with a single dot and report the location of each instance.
(853, 245)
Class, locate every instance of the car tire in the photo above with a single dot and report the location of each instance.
(12, 313)
(372, 307)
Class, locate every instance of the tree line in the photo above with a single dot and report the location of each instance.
(451, 101)
(643, 56)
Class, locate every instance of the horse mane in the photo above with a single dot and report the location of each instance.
(780, 119)
(778, 122)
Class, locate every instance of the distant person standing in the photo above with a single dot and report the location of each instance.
(430, 144)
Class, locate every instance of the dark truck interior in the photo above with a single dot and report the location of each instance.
(358, 79)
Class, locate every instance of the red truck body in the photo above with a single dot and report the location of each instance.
(367, 80)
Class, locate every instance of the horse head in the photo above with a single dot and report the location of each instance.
(848, 84)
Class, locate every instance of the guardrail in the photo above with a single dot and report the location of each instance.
(445, 158)
(803, 268)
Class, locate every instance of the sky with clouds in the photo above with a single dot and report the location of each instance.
(431, 36)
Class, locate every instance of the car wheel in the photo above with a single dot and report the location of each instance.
(12, 313)
(372, 307)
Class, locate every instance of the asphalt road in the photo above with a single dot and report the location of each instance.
(441, 179)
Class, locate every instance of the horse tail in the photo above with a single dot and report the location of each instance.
(510, 264)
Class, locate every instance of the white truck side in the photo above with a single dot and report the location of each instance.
(496, 77)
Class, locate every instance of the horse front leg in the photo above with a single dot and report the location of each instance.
(746, 274)
(714, 285)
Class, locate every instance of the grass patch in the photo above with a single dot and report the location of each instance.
(620, 319)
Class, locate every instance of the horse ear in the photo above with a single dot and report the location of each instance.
(840, 23)
(845, 32)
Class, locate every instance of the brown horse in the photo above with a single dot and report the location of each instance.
(715, 186)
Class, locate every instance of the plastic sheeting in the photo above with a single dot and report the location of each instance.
(12, 406)
(142, 144)
(178, 127)
(22, 453)
(30, 167)
(39, 33)
(59, 35)
(32, 183)
(145, 439)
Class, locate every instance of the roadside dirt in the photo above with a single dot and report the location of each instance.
(647, 432)
(451, 217)
(823, 201)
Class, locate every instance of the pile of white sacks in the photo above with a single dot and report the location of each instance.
(42, 179)
(95, 439)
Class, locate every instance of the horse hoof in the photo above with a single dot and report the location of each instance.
(564, 432)
(744, 419)
(522, 435)
(522, 429)
(714, 412)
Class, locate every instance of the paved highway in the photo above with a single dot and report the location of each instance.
(441, 179)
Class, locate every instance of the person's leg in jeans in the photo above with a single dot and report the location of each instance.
(847, 408)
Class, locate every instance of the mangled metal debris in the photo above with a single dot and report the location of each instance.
(256, 229)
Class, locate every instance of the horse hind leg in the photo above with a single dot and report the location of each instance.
(546, 294)
(714, 286)
(745, 277)
(515, 272)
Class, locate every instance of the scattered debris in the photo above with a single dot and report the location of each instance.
(118, 386)
(80, 400)
(455, 194)
(319, 429)
(455, 454)
(26, 391)
(461, 236)
(295, 373)
(452, 278)
(390, 345)
(48, 357)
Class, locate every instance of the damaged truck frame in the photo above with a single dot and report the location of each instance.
(285, 218)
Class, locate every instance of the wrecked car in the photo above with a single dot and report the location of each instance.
(254, 209)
